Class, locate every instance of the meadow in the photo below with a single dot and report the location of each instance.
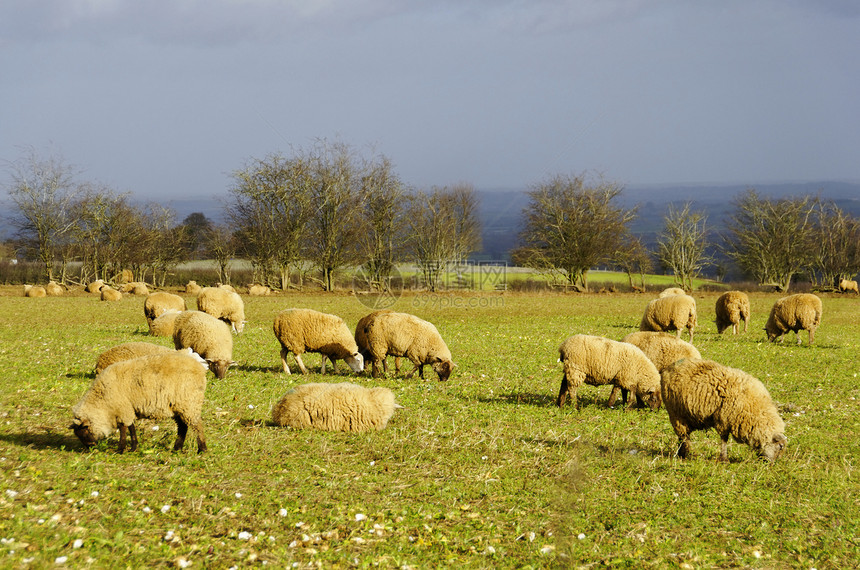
(483, 471)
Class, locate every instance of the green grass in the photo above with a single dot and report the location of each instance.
(480, 472)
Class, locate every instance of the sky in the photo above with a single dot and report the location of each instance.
(165, 98)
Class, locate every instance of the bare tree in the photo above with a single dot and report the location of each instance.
(571, 226)
(633, 258)
(836, 254)
(220, 244)
(681, 245)
(164, 242)
(381, 234)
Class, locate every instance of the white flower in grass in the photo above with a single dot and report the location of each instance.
(11, 494)
(282, 513)
(238, 495)
(61, 560)
(155, 428)
(547, 549)
(147, 510)
(77, 543)
(360, 517)
(94, 494)
(165, 508)
(245, 535)
(581, 536)
(182, 562)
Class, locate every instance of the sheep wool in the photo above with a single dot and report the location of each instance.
(164, 324)
(110, 294)
(672, 291)
(305, 330)
(794, 313)
(208, 337)
(95, 286)
(335, 407)
(158, 303)
(257, 290)
(54, 289)
(596, 361)
(672, 313)
(135, 288)
(158, 386)
(128, 351)
(361, 339)
(847, 285)
(192, 288)
(702, 394)
(402, 334)
(223, 304)
(34, 291)
(731, 308)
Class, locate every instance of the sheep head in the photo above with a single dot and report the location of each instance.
(219, 367)
(355, 361)
(771, 450)
(84, 433)
(442, 368)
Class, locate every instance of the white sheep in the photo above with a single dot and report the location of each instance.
(596, 361)
(361, 339)
(164, 324)
(402, 334)
(158, 386)
(305, 330)
(335, 407)
(54, 289)
(208, 337)
(95, 286)
(846, 285)
(135, 288)
(661, 348)
(127, 351)
(794, 313)
(702, 394)
(34, 291)
(109, 294)
(158, 303)
(731, 308)
(192, 288)
(223, 304)
(671, 291)
(675, 312)
(257, 290)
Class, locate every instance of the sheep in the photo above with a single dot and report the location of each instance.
(192, 288)
(135, 288)
(846, 285)
(127, 351)
(671, 291)
(306, 330)
(335, 407)
(361, 339)
(95, 286)
(793, 313)
(54, 289)
(164, 324)
(226, 286)
(157, 303)
(732, 307)
(597, 360)
(34, 291)
(661, 348)
(675, 312)
(208, 337)
(701, 394)
(157, 386)
(402, 334)
(109, 294)
(257, 290)
(223, 304)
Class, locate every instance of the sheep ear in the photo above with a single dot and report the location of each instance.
(780, 438)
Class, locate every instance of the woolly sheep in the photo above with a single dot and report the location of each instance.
(702, 394)
(257, 290)
(675, 312)
(732, 307)
(671, 291)
(158, 386)
(661, 348)
(54, 289)
(306, 330)
(335, 407)
(208, 337)
(223, 304)
(164, 324)
(794, 313)
(597, 361)
(157, 303)
(128, 351)
(34, 291)
(135, 288)
(95, 286)
(109, 294)
(226, 286)
(192, 287)
(846, 285)
(402, 334)
(361, 339)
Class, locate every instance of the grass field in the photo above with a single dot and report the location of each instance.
(480, 472)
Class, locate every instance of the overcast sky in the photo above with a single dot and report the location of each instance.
(165, 98)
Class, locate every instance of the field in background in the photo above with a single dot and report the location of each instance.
(481, 472)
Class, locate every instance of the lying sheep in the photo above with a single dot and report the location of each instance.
(402, 334)
(54, 289)
(223, 304)
(672, 313)
(732, 307)
(135, 288)
(702, 394)
(671, 291)
(95, 286)
(257, 290)
(164, 324)
(158, 386)
(306, 330)
(109, 294)
(596, 361)
(192, 287)
(335, 407)
(794, 313)
(127, 351)
(208, 337)
(158, 303)
(361, 339)
(846, 285)
(34, 291)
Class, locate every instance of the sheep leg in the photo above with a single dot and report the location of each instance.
(811, 336)
(284, 353)
(376, 365)
(614, 395)
(322, 364)
(724, 447)
(301, 364)
(181, 432)
(122, 436)
(397, 365)
(683, 433)
(132, 432)
(566, 391)
(197, 425)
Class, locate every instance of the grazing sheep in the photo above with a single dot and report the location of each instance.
(208, 337)
(95, 286)
(164, 324)
(794, 313)
(671, 291)
(672, 313)
(34, 291)
(361, 339)
(846, 285)
(702, 394)
(158, 386)
(54, 289)
(663, 349)
(257, 290)
(127, 351)
(135, 288)
(732, 307)
(192, 288)
(158, 303)
(223, 304)
(596, 360)
(335, 407)
(109, 294)
(402, 334)
(306, 330)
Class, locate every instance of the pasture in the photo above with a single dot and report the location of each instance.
(480, 472)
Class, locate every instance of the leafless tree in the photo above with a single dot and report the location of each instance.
(382, 233)
(682, 243)
(220, 244)
(634, 258)
(836, 254)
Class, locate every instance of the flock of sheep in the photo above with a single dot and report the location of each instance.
(650, 367)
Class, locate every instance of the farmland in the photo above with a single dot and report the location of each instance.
(482, 471)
